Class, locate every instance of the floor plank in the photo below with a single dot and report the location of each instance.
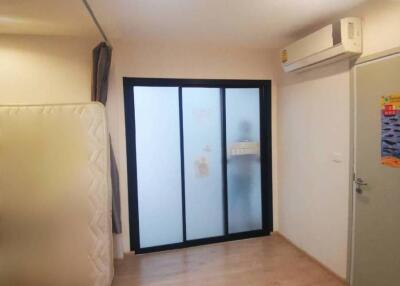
(269, 261)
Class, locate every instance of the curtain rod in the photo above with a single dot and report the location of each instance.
(85, 2)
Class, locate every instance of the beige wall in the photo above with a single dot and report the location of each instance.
(163, 60)
(38, 70)
(314, 131)
(381, 25)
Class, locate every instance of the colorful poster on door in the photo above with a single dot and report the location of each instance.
(390, 113)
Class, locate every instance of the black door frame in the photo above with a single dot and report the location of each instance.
(265, 157)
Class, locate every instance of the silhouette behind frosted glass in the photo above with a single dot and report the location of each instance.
(242, 167)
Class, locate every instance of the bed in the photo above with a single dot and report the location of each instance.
(55, 196)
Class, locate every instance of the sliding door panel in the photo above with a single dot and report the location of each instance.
(158, 165)
(243, 153)
(201, 109)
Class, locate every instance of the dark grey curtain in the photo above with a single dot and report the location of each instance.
(101, 69)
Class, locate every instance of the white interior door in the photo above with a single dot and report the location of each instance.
(376, 242)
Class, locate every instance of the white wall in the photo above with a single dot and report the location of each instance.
(169, 60)
(313, 125)
(314, 116)
(39, 69)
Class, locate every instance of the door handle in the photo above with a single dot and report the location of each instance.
(359, 183)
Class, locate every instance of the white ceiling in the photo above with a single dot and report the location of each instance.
(46, 17)
(253, 23)
(249, 23)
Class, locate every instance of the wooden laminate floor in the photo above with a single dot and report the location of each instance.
(269, 261)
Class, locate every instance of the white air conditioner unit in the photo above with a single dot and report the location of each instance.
(334, 42)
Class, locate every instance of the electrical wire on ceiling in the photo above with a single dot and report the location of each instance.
(96, 22)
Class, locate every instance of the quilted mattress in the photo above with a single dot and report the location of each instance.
(55, 198)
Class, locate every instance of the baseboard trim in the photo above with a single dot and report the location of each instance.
(277, 233)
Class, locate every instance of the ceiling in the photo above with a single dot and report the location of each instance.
(248, 23)
(253, 23)
(46, 17)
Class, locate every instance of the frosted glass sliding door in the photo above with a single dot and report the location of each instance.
(159, 188)
(243, 154)
(201, 108)
(196, 172)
